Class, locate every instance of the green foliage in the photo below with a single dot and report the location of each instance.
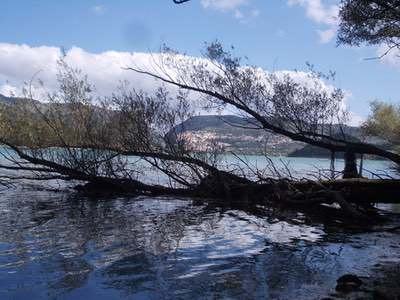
(371, 22)
(384, 121)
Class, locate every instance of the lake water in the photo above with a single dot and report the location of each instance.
(308, 167)
(58, 245)
(297, 167)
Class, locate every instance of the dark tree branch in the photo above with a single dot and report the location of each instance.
(180, 1)
(328, 142)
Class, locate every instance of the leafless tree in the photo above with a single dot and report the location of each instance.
(303, 110)
(76, 136)
(116, 144)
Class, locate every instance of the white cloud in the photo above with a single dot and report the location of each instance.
(325, 36)
(321, 13)
(223, 5)
(280, 33)
(238, 14)
(9, 90)
(318, 12)
(245, 16)
(355, 119)
(236, 7)
(255, 12)
(98, 9)
(18, 63)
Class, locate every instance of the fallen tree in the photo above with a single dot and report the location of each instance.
(353, 196)
(118, 145)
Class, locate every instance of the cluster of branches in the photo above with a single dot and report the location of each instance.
(75, 135)
(119, 142)
(371, 22)
(384, 121)
(299, 106)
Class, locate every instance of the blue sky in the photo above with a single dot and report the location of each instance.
(276, 35)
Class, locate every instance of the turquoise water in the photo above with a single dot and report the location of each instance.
(272, 166)
(294, 167)
(308, 167)
(287, 167)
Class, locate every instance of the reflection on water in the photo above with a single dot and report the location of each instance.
(53, 245)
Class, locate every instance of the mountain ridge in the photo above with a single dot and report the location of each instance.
(228, 131)
(229, 134)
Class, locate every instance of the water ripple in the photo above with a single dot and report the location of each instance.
(54, 245)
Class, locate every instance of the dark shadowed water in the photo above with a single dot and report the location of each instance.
(56, 245)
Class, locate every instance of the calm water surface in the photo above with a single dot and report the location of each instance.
(61, 246)
(299, 167)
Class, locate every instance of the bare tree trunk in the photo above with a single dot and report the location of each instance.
(361, 165)
(350, 165)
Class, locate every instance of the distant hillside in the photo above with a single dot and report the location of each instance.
(228, 132)
(7, 100)
(13, 100)
(312, 151)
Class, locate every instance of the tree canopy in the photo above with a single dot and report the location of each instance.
(369, 21)
(384, 121)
